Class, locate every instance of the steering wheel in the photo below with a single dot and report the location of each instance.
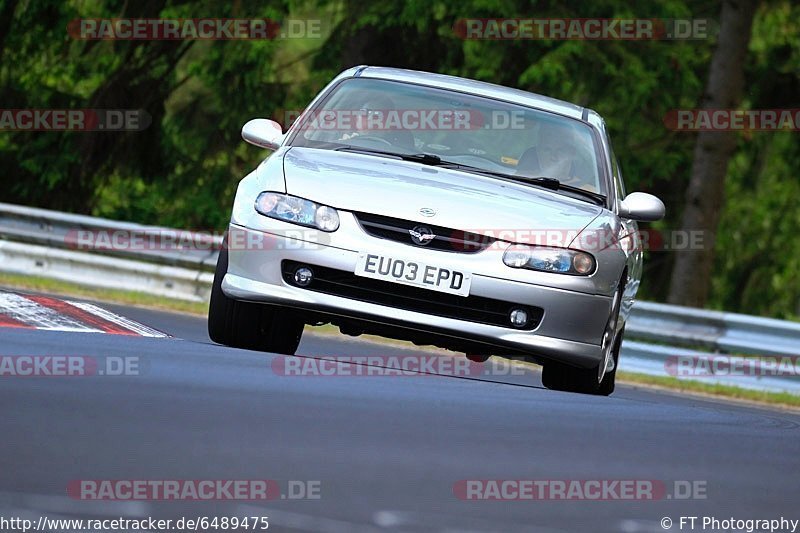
(371, 138)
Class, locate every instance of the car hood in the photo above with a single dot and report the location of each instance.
(400, 189)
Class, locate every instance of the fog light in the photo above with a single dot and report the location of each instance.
(303, 276)
(518, 317)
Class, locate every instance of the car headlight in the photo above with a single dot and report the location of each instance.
(297, 211)
(558, 260)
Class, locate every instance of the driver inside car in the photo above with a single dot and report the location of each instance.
(556, 156)
(370, 124)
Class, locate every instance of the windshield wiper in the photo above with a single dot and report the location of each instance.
(542, 181)
(550, 183)
(426, 159)
(556, 185)
(435, 160)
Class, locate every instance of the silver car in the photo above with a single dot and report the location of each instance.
(440, 210)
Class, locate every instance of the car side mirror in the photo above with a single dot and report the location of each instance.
(642, 207)
(263, 132)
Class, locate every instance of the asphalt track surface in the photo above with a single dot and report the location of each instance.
(387, 451)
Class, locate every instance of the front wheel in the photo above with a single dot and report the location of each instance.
(599, 379)
(249, 325)
(558, 376)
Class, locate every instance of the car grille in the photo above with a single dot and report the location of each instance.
(470, 308)
(446, 239)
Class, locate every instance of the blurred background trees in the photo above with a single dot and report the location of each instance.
(705, 196)
(182, 171)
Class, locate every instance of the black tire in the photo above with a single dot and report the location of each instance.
(558, 376)
(609, 380)
(249, 325)
(220, 307)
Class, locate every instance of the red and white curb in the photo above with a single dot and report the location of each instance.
(53, 314)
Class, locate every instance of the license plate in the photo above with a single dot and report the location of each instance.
(413, 273)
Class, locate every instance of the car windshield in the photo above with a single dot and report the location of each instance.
(469, 130)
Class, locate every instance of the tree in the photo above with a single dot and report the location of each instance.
(692, 273)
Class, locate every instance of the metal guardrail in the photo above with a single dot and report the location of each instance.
(67, 231)
(50, 243)
(107, 253)
(105, 272)
(657, 360)
(713, 330)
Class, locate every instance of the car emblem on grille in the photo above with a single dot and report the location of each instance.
(427, 212)
(421, 235)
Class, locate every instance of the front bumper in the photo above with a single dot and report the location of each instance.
(569, 331)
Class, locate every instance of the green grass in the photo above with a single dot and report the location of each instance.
(781, 399)
(140, 299)
(41, 284)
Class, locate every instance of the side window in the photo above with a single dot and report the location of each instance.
(618, 178)
(619, 183)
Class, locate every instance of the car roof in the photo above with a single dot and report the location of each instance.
(481, 88)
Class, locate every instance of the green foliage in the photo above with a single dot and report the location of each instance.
(758, 244)
(182, 171)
